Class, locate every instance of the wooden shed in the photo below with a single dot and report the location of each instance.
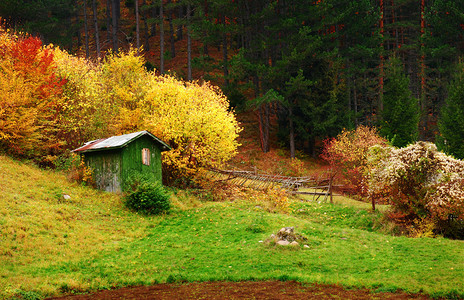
(113, 159)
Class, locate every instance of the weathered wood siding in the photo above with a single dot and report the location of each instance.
(106, 166)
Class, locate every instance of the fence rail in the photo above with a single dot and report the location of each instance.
(317, 186)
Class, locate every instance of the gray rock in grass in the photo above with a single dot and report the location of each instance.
(283, 243)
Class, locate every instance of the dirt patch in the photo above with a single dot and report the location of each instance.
(242, 290)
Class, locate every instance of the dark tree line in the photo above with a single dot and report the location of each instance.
(314, 66)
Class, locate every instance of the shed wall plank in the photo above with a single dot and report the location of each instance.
(106, 168)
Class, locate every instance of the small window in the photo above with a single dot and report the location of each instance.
(146, 156)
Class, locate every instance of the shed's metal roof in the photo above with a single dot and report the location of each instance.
(119, 141)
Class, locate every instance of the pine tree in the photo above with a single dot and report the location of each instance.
(442, 47)
(49, 19)
(359, 46)
(400, 115)
(451, 122)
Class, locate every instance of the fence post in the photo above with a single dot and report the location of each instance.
(330, 189)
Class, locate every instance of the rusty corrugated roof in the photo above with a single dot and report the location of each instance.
(119, 141)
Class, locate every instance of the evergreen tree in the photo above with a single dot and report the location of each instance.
(297, 90)
(212, 22)
(400, 115)
(359, 46)
(451, 122)
(442, 46)
(50, 19)
(289, 47)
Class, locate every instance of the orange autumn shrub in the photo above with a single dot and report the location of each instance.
(347, 154)
(29, 97)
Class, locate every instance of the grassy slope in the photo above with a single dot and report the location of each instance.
(90, 242)
(39, 229)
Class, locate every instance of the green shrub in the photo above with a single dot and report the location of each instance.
(257, 225)
(27, 295)
(146, 195)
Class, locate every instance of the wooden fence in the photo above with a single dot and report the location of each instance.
(312, 186)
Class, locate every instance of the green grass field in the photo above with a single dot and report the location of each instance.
(51, 246)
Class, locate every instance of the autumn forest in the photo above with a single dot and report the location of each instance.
(317, 142)
(316, 67)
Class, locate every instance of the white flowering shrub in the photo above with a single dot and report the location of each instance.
(418, 181)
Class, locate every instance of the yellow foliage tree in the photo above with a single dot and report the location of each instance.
(51, 101)
(126, 82)
(195, 120)
(348, 155)
(87, 110)
(18, 130)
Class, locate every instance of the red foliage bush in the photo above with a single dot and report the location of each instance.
(347, 155)
(33, 63)
(29, 97)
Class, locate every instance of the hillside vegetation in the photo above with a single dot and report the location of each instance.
(317, 66)
(50, 245)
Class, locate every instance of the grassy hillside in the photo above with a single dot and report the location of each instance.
(50, 246)
(40, 229)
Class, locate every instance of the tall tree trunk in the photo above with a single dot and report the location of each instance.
(118, 10)
(393, 15)
(267, 125)
(261, 118)
(262, 136)
(71, 21)
(86, 30)
(189, 45)
(97, 33)
(292, 131)
(355, 100)
(171, 33)
(146, 31)
(78, 28)
(115, 21)
(350, 91)
(137, 28)
(423, 98)
(381, 71)
(205, 44)
(108, 19)
(224, 52)
(155, 12)
(242, 35)
(180, 34)
(161, 38)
